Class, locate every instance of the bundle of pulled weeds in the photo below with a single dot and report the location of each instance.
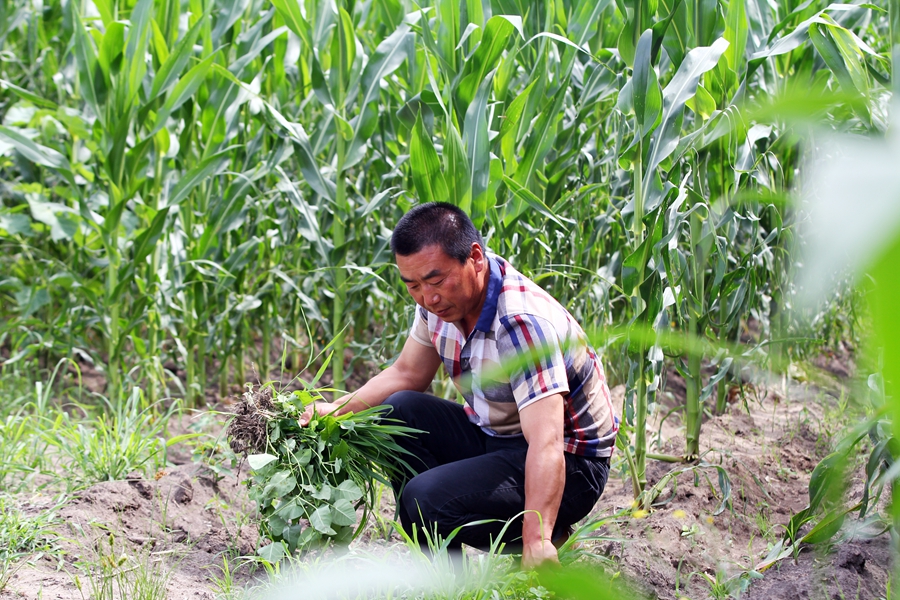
(313, 484)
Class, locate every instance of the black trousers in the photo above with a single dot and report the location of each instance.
(465, 475)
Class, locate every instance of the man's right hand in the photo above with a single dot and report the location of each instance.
(321, 408)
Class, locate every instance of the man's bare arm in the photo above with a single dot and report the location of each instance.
(413, 370)
(545, 477)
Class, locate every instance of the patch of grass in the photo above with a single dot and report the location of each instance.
(22, 451)
(125, 437)
(24, 537)
(112, 574)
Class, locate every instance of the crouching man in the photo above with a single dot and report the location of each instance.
(536, 431)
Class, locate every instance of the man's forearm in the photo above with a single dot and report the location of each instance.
(375, 391)
(545, 479)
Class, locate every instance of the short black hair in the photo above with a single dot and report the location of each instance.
(439, 223)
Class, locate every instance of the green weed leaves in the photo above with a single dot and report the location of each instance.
(310, 482)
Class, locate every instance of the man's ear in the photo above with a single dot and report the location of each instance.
(477, 254)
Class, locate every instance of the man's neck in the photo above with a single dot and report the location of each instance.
(468, 323)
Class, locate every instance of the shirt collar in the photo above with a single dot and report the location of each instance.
(489, 310)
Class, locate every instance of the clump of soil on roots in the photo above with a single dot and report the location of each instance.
(248, 430)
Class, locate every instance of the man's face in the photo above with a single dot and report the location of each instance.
(441, 285)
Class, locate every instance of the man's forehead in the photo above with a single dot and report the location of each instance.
(428, 262)
(429, 275)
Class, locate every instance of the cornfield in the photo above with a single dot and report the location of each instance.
(198, 193)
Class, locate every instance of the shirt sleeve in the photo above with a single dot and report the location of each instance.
(419, 330)
(537, 369)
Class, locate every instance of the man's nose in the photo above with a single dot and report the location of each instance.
(432, 299)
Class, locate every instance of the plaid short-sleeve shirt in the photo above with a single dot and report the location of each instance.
(520, 320)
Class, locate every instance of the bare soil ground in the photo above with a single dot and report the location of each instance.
(682, 549)
(186, 519)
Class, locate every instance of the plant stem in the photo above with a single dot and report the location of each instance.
(338, 232)
(695, 310)
(640, 401)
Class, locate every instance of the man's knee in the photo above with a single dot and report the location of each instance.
(400, 402)
(422, 501)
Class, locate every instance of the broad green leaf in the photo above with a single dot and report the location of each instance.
(105, 10)
(31, 299)
(323, 493)
(496, 38)
(528, 197)
(241, 256)
(585, 20)
(348, 490)
(309, 166)
(826, 528)
(135, 63)
(736, 34)
(677, 37)
(702, 103)
(280, 484)
(388, 56)
(183, 91)
(86, 61)
(456, 168)
(646, 96)
(273, 552)
(62, 220)
(247, 57)
(449, 31)
(476, 138)
(840, 52)
(426, 166)
(202, 172)
(15, 224)
(679, 90)
(343, 514)
(509, 124)
(40, 155)
(147, 240)
(639, 20)
(319, 84)
(343, 55)
(825, 481)
(706, 18)
(26, 95)
(160, 47)
(258, 461)
(171, 69)
(786, 43)
(113, 45)
(230, 12)
(293, 17)
(321, 520)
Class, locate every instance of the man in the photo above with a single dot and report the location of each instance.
(537, 429)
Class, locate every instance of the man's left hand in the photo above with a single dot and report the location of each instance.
(539, 553)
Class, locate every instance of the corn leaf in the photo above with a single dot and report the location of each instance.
(426, 166)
